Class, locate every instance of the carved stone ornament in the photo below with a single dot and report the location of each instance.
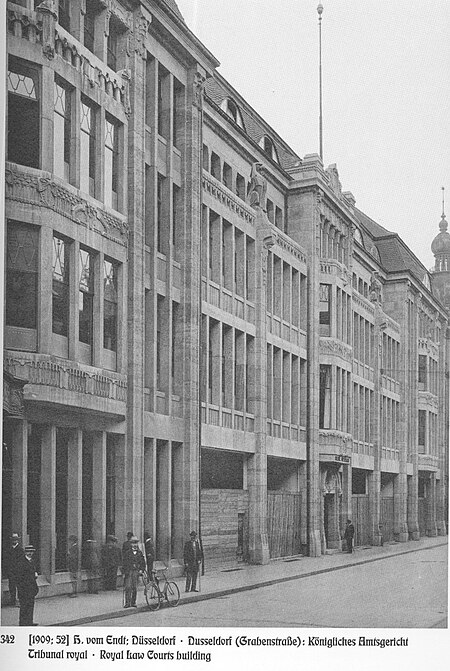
(335, 182)
(44, 192)
(138, 35)
(199, 85)
(331, 481)
(375, 288)
(256, 192)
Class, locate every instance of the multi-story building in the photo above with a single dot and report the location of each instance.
(201, 329)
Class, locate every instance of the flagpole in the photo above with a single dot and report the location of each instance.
(320, 11)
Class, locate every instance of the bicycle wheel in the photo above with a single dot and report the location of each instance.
(172, 594)
(152, 597)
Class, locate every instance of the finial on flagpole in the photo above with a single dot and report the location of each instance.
(443, 200)
(320, 11)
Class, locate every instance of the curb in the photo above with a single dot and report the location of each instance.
(234, 590)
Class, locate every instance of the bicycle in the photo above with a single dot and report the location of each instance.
(154, 595)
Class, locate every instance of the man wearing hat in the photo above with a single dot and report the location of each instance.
(111, 557)
(193, 556)
(27, 586)
(133, 563)
(14, 554)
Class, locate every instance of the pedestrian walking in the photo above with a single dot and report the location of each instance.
(73, 564)
(133, 564)
(14, 553)
(127, 544)
(111, 560)
(27, 586)
(92, 566)
(348, 535)
(192, 556)
(149, 552)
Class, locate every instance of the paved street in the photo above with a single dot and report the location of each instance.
(408, 590)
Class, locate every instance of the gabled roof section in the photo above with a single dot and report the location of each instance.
(217, 90)
(394, 254)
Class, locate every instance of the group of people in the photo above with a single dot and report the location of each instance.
(22, 577)
(104, 563)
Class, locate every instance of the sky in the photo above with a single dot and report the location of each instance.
(386, 93)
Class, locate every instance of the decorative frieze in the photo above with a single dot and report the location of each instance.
(225, 197)
(29, 188)
(329, 346)
(289, 245)
(44, 371)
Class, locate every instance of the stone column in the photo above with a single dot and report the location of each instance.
(315, 495)
(411, 365)
(48, 502)
(47, 113)
(19, 477)
(346, 511)
(150, 486)
(401, 505)
(74, 485)
(431, 505)
(164, 503)
(99, 486)
(119, 465)
(374, 478)
(401, 481)
(258, 543)
(133, 471)
(190, 256)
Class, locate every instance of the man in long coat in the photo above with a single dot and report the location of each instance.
(27, 586)
(348, 535)
(14, 554)
(192, 556)
(133, 563)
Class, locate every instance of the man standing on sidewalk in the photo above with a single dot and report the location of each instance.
(133, 564)
(348, 535)
(15, 553)
(27, 586)
(193, 556)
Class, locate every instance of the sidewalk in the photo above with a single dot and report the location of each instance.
(92, 608)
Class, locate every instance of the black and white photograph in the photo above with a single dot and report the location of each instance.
(226, 334)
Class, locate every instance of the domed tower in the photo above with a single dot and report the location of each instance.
(441, 250)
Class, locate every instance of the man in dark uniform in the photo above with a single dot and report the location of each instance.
(133, 563)
(149, 552)
(27, 586)
(348, 535)
(192, 556)
(15, 552)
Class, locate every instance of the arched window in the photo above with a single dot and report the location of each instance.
(269, 148)
(233, 111)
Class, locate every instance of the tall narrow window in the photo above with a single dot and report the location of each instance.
(115, 30)
(61, 131)
(23, 115)
(163, 98)
(64, 14)
(422, 430)
(324, 310)
(111, 162)
(89, 23)
(325, 397)
(177, 113)
(110, 485)
(60, 288)
(87, 149)
(176, 218)
(21, 275)
(86, 296)
(159, 214)
(422, 377)
(110, 273)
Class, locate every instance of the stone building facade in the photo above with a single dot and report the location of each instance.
(201, 328)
